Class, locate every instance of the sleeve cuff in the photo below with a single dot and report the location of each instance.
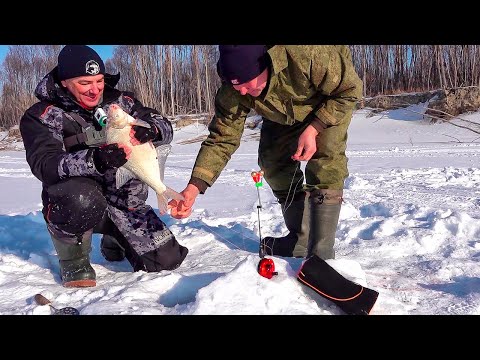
(201, 185)
(318, 124)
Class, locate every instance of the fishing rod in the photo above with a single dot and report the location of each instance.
(266, 267)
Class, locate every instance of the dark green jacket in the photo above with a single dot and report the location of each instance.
(315, 83)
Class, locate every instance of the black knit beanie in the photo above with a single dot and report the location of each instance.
(79, 60)
(241, 63)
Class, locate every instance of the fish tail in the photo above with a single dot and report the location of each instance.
(172, 194)
(162, 203)
(163, 198)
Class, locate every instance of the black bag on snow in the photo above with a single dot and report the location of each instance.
(351, 297)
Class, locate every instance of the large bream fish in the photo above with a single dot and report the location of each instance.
(146, 162)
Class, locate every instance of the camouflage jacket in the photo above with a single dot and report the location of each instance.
(307, 83)
(44, 126)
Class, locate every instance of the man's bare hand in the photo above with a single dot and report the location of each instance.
(181, 209)
(307, 144)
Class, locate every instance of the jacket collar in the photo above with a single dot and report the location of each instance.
(279, 62)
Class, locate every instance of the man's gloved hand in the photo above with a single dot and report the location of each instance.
(110, 156)
(142, 134)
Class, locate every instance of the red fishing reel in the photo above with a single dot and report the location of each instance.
(266, 268)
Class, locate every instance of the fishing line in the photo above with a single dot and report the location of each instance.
(226, 240)
(287, 205)
(297, 168)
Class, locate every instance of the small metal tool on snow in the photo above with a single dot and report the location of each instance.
(42, 300)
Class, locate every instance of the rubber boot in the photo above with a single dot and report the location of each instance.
(74, 259)
(295, 243)
(325, 208)
(111, 249)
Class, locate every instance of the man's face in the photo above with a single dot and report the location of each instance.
(87, 90)
(255, 86)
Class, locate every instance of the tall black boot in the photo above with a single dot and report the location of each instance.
(325, 208)
(74, 259)
(111, 248)
(297, 219)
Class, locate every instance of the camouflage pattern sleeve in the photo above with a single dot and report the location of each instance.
(78, 163)
(41, 128)
(226, 129)
(335, 77)
(154, 118)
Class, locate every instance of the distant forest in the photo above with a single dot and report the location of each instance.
(182, 79)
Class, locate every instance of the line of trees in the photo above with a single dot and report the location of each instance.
(175, 79)
(392, 69)
(182, 79)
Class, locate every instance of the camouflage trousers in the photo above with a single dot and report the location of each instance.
(79, 204)
(327, 169)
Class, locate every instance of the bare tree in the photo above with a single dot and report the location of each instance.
(23, 67)
(181, 79)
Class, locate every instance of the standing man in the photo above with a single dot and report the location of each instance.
(306, 96)
(65, 148)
